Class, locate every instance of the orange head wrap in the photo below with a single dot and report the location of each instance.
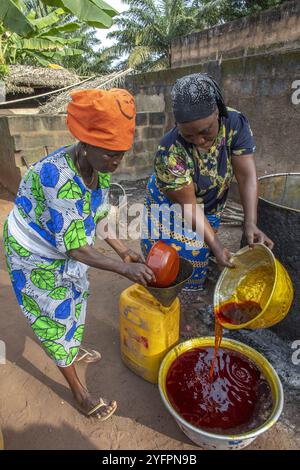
(103, 118)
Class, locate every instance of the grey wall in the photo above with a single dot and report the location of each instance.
(259, 86)
(277, 28)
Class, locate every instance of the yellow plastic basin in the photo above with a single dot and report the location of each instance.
(258, 277)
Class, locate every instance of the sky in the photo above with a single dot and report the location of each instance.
(101, 33)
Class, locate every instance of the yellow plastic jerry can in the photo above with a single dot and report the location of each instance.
(148, 331)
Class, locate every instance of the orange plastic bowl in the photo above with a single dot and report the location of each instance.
(164, 262)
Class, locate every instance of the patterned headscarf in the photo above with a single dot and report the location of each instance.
(196, 97)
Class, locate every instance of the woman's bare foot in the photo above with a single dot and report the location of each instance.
(101, 408)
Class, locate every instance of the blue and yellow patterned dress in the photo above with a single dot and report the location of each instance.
(54, 212)
(179, 163)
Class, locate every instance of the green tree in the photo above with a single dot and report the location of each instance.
(146, 30)
(221, 11)
(90, 61)
(47, 45)
(40, 31)
(40, 8)
(95, 13)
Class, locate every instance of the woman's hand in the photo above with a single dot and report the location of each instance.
(130, 256)
(254, 235)
(140, 273)
(223, 257)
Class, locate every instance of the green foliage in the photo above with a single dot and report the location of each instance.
(42, 31)
(146, 30)
(222, 11)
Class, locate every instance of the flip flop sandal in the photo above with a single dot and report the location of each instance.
(88, 356)
(112, 406)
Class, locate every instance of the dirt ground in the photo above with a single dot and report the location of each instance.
(36, 408)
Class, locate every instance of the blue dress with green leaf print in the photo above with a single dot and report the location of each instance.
(55, 204)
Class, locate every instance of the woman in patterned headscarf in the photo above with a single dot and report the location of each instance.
(195, 164)
(50, 233)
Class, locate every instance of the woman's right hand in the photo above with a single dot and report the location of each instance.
(139, 272)
(223, 257)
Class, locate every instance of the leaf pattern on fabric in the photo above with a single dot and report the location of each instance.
(53, 264)
(5, 231)
(43, 233)
(37, 188)
(78, 310)
(238, 152)
(78, 335)
(24, 203)
(87, 203)
(55, 350)
(30, 305)
(18, 295)
(60, 221)
(43, 279)
(27, 175)
(8, 266)
(71, 332)
(79, 206)
(56, 223)
(72, 354)
(89, 225)
(46, 328)
(58, 294)
(18, 248)
(49, 175)
(96, 199)
(100, 214)
(63, 311)
(39, 210)
(179, 163)
(70, 190)
(23, 213)
(75, 235)
(6, 241)
(19, 279)
(79, 181)
(104, 180)
(71, 164)
(76, 293)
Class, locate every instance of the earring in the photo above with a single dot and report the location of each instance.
(84, 152)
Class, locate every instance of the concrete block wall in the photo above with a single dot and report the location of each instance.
(28, 138)
(31, 137)
(138, 163)
(259, 86)
(274, 29)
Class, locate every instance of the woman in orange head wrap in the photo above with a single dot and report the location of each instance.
(50, 233)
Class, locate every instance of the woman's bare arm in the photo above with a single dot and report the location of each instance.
(136, 272)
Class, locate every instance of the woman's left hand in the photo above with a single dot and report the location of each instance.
(130, 256)
(255, 235)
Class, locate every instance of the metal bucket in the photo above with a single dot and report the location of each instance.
(274, 294)
(279, 218)
(209, 440)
